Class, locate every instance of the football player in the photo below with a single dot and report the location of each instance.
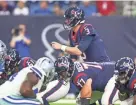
(3, 53)
(87, 77)
(50, 92)
(126, 80)
(84, 41)
(14, 63)
(25, 84)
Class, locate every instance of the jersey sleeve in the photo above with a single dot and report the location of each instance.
(88, 30)
(81, 76)
(86, 38)
(132, 84)
(80, 79)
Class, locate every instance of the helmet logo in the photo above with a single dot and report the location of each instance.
(73, 12)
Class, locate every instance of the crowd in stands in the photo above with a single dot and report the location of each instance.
(57, 8)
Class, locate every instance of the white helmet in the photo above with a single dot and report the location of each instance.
(46, 65)
(3, 50)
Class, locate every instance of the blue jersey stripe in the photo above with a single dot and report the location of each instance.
(112, 95)
(21, 101)
(39, 74)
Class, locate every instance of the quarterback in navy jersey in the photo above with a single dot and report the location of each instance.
(87, 77)
(84, 41)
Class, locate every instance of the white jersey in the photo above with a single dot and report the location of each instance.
(12, 87)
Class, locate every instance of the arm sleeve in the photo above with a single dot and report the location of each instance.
(132, 85)
(86, 38)
(80, 80)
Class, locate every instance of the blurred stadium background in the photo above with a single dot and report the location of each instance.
(42, 23)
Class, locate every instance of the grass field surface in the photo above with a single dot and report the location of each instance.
(96, 95)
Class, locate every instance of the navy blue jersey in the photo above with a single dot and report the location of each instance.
(100, 75)
(90, 43)
(132, 84)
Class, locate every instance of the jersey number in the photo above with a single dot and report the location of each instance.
(81, 83)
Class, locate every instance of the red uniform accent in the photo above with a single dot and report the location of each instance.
(78, 76)
(132, 84)
(24, 62)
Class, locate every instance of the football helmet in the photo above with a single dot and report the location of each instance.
(3, 50)
(11, 61)
(46, 66)
(27, 61)
(64, 67)
(73, 16)
(124, 69)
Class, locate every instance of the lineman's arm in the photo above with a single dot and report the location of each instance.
(86, 93)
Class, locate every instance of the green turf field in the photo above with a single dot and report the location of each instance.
(67, 104)
(95, 96)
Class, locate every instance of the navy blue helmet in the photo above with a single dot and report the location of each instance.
(73, 16)
(64, 67)
(11, 61)
(124, 68)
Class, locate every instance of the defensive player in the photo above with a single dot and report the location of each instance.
(84, 41)
(126, 80)
(87, 77)
(24, 85)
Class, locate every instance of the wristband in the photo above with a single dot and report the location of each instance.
(63, 48)
(85, 101)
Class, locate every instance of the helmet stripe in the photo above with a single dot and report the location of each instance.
(37, 72)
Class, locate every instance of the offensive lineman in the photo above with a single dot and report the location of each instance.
(13, 63)
(23, 90)
(87, 77)
(3, 53)
(126, 80)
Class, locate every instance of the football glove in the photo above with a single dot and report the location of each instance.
(123, 96)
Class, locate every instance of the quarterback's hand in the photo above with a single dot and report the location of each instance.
(56, 45)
